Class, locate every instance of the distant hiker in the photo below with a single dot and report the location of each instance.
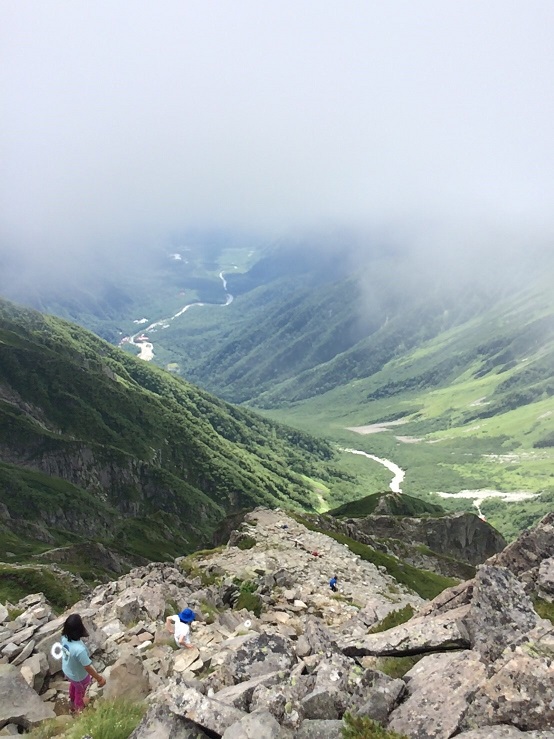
(333, 584)
(179, 626)
(76, 663)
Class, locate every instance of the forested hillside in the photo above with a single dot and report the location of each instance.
(96, 443)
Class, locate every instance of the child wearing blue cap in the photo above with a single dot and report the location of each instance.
(179, 626)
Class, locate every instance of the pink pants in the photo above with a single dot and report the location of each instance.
(77, 693)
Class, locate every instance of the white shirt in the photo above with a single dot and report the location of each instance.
(182, 631)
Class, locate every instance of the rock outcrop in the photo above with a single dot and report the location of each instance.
(277, 654)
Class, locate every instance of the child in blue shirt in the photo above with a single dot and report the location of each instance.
(76, 664)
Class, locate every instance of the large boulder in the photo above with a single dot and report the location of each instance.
(128, 679)
(500, 611)
(19, 704)
(160, 723)
(376, 695)
(521, 689)
(259, 725)
(439, 688)
(240, 695)
(418, 635)
(259, 656)
(208, 713)
(524, 555)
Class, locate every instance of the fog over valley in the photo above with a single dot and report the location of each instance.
(124, 123)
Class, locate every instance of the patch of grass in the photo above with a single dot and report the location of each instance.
(392, 619)
(544, 608)
(114, 719)
(209, 611)
(248, 598)
(192, 570)
(201, 553)
(171, 608)
(362, 727)
(17, 582)
(396, 666)
(246, 542)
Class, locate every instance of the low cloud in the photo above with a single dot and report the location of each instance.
(124, 122)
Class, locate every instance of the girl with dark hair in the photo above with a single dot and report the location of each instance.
(76, 664)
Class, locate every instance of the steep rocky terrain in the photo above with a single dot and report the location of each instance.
(278, 654)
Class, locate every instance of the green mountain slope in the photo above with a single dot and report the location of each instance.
(97, 444)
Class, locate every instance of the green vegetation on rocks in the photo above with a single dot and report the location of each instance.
(394, 618)
(107, 719)
(18, 581)
(362, 727)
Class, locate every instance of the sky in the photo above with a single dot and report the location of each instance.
(123, 120)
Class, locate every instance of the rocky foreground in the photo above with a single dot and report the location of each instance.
(278, 655)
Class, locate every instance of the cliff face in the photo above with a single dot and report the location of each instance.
(463, 536)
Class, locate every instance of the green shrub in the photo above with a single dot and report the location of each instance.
(544, 608)
(362, 727)
(250, 601)
(394, 618)
(246, 542)
(396, 666)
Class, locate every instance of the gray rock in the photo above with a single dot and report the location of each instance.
(4, 615)
(160, 723)
(313, 729)
(260, 725)
(127, 608)
(19, 704)
(261, 655)
(376, 695)
(324, 704)
(208, 713)
(521, 689)
(240, 695)
(320, 638)
(546, 578)
(439, 687)
(504, 732)
(128, 679)
(500, 611)
(529, 549)
(11, 650)
(445, 631)
(26, 652)
(34, 670)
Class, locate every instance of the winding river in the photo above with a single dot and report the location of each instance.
(146, 347)
(478, 496)
(399, 473)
